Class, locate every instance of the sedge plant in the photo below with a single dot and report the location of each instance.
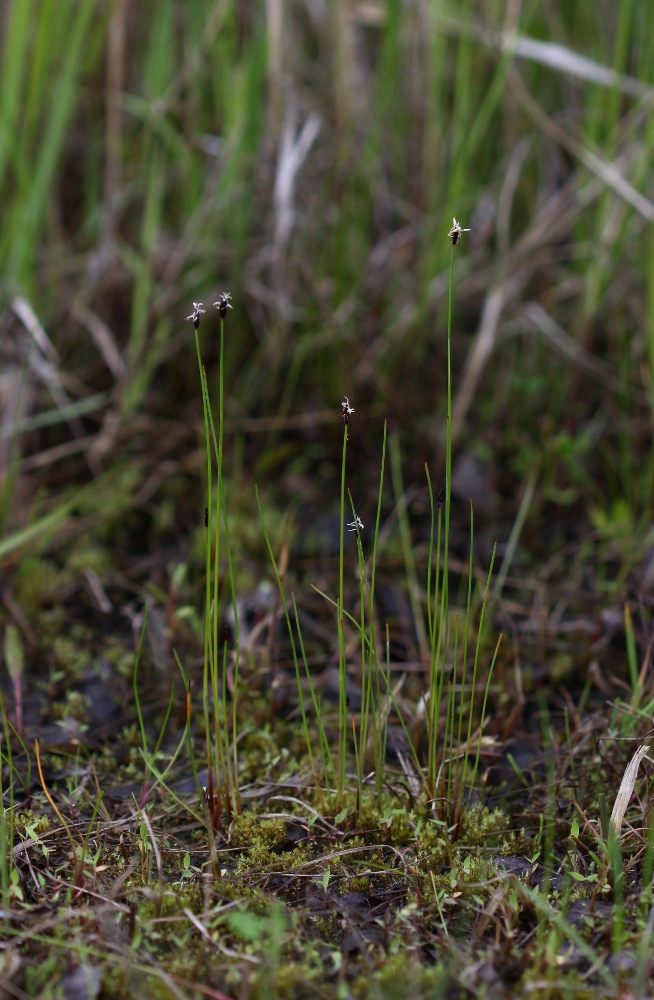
(222, 794)
(444, 778)
(453, 751)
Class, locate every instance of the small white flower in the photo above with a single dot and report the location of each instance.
(223, 304)
(456, 230)
(353, 525)
(195, 315)
(347, 410)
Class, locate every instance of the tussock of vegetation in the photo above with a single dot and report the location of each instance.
(354, 731)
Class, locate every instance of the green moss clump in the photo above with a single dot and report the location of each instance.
(431, 842)
(286, 982)
(249, 831)
(402, 829)
(76, 706)
(369, 815)
(466, 869)
(479, 823)
(69, 656)
(400, 977)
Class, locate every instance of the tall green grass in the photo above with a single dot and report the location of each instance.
(198, 154)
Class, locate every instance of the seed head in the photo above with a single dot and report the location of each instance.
(347, 410)
(195, 315)
(353, 525)
(223, 304)
(455, 232)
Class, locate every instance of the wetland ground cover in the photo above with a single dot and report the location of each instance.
(326, 612)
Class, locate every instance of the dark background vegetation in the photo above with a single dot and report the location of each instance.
(308, 157)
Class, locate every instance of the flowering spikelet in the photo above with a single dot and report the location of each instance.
(195, 315)
(455, 231)
(223, 304)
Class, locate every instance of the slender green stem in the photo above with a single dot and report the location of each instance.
(437, 581)
(208, 655)
(432, 726)
(189, 738)
(358, 763)
(440, 635)
(221, 498)
(480, 634)
(384, 721)
(219, 737)
(137, 700)
(237, 658)
(407, 545)
(483, 710)
(342, 665)
(451, 700)
(372, 645)
(448, 490)
(430, 621)
(290, 633)
(326, 752)
(164, 727)
(464, 670)
(363, 716)
(224, 765)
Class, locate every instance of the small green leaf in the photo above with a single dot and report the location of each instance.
(584, 878)
(325, 879)
(187, 860)
(574, 829)
(341, 816)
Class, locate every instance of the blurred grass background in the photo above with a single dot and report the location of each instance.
(308, 156)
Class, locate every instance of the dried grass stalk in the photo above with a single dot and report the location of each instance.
(626, 790)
